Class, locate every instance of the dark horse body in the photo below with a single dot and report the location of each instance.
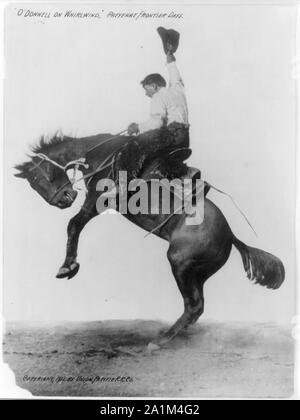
(195, 252)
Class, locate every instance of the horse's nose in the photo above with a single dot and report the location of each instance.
(69, 196)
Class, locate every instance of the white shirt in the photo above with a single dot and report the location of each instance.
(168, 104)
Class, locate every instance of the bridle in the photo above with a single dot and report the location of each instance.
(44, 174)
(76, 165)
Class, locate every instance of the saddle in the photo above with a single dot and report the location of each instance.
(169, 165)
(172, 165)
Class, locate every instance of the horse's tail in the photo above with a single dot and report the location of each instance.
(260, 266)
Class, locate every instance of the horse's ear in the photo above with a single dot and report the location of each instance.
(22, 171)
(20, 175)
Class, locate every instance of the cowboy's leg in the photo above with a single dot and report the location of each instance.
(133, 155)
(180, 133)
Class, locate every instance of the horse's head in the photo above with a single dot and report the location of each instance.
(49, 181)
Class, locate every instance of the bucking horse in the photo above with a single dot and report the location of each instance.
(195, 252)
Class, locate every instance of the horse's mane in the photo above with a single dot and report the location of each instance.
(42, 146)
(45, 142)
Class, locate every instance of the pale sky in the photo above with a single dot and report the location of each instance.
(82, 77)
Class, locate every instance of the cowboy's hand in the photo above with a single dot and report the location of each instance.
(170, 57)
(133, 128)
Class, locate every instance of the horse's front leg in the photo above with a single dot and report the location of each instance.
(70, 266)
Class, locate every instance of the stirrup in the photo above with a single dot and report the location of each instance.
(182, 153)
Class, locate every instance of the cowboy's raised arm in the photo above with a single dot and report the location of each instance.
(175, 79)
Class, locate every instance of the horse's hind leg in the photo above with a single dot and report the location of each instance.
(190, 284)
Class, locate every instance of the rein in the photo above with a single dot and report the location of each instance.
(106, 163)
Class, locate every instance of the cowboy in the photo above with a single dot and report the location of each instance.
(168, 127)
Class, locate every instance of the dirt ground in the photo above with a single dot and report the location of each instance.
(208, 360)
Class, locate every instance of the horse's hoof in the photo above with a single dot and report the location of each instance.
(74, 270)
(68, 272)
(152, 347)
(63, 272)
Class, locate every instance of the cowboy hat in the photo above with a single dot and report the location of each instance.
(170, 39)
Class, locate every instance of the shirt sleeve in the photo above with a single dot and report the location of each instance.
(175, 79)
(158, 115)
